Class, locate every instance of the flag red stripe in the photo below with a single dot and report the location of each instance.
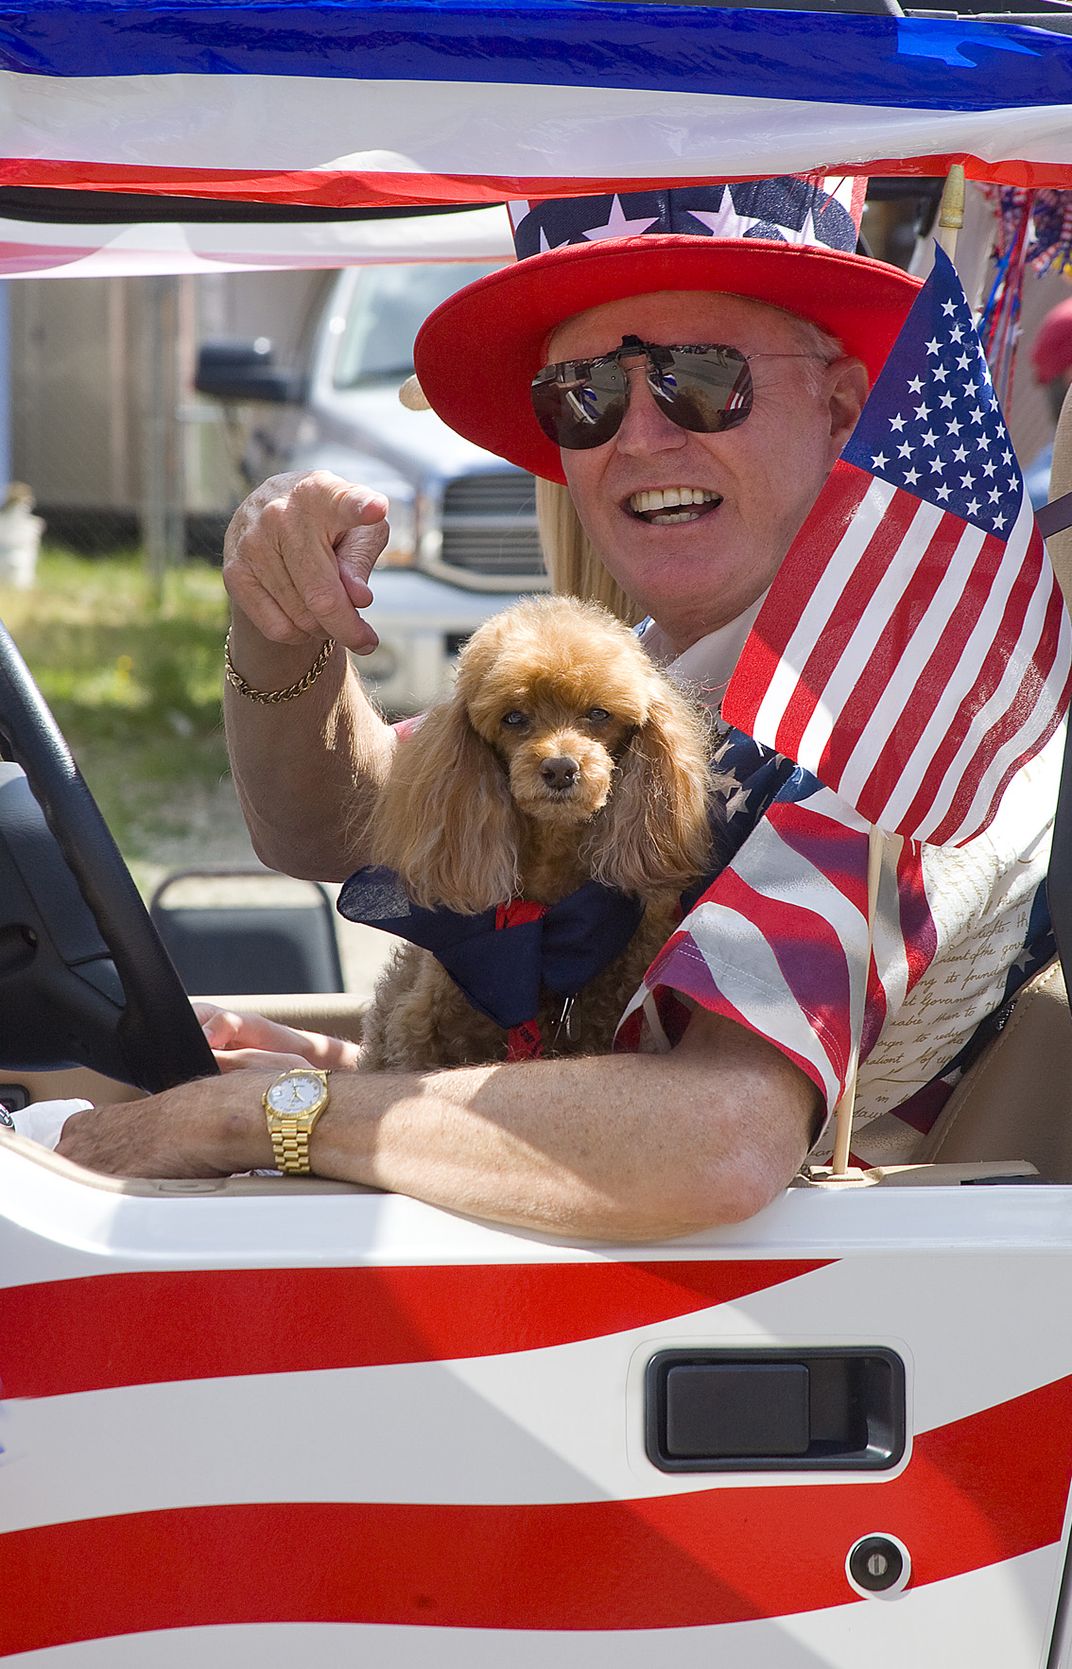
(919, 941)
(887, 656)
(1037, 744)
(860, 586)
(834, 510)
(978, 1491)
(1052, 726)
(918, 708)
(835, 850)
(707, 992)
(325, 188)
(920, 812)
(690, 975)
(1012, 723)
(810, 958)
(100, 1331)
(918, 931)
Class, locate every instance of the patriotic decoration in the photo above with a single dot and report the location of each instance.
(1033, 229)
(503, 959)
(275, 1431)
(930, 656)
(411, 102)
(127, 249)
(817, 210)
(781, 943)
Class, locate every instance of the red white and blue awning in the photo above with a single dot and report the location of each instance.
(418, 102)
(131, 249)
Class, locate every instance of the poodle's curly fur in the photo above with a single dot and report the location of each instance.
(562, 755)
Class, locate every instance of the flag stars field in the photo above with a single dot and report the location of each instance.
(945, 369)
(931, 656)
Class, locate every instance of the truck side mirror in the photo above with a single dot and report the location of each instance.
(237, 370)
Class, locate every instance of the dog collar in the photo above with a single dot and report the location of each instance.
(502, 959)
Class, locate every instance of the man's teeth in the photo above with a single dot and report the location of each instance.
(670, 498)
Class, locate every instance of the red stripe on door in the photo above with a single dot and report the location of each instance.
(100, 1331)
(976, 1492)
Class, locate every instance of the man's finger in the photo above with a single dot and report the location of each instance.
(263, 611)
(358, 550)
(221, 1028)
(354, 506)
(322, 514)
(282, 564)
(258, 1060)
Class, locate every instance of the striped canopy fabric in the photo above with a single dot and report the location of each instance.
(118, 247)
(412, 102)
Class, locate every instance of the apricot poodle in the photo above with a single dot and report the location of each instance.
(563, 756)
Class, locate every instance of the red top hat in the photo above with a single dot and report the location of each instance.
(788, 242)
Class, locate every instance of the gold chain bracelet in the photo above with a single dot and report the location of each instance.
(270, 697)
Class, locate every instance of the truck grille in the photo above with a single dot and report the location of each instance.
(489, 527)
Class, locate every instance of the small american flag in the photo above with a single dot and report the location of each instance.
(931, 657)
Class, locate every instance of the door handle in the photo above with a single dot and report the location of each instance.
(814, 1409)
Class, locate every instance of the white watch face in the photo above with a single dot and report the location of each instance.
(295, 1094)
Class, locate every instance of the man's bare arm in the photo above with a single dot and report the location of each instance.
(297, 560)
(620, 1147)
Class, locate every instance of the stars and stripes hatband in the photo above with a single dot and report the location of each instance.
(788, 242)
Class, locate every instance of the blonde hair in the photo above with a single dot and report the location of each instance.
(571, 561)
(574, 567)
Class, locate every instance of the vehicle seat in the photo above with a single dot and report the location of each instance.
(248, 931)
(1014, 1102)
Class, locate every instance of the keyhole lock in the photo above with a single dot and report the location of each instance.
(878, 1566)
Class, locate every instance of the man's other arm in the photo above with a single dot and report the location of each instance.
(618, 1147)
(297, 559)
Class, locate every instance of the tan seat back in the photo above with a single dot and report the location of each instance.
(1016, 1101)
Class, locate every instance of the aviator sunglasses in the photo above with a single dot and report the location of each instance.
(580, 403)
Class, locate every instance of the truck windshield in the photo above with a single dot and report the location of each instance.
(390, 303)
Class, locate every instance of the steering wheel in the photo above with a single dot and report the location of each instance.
(59, 959)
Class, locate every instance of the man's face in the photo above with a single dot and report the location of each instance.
(694, 569)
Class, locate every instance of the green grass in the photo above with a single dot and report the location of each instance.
(134, 680)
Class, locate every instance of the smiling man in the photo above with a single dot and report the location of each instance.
(693, 525)
(689, 364)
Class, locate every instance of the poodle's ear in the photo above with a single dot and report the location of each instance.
(444, 818)
(654, 832)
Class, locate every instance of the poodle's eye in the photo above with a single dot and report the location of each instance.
(598, 715)
(514, 720)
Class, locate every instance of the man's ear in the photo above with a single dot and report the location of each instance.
(846, 392)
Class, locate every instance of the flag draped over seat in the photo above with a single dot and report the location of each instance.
(914, 651)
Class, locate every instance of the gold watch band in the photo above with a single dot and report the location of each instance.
(292, 1116)
(290, 1145)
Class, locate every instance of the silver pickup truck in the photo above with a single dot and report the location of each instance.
(463, 524)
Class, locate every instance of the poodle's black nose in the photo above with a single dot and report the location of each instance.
(560, 773)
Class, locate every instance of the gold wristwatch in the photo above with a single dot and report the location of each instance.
(292, 1104)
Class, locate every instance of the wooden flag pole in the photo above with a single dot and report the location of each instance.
(845, 1108)
(951, 211)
